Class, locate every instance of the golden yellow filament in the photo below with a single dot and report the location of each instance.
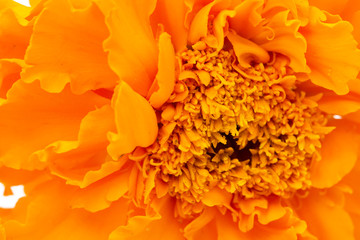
(246, 130)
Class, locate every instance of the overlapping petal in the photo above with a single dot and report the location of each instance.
(73, 160)
(352, 197)
(285, 36)
(110, 183)
(54, 221)
(215, 225)
(31, 114)
(172, 15)
(131, 45)
(61, 53)
(325, 215)
(135, 121)
(14, 37)
(154, 222)
(338, 61)
(76, 125)
(339, 154)
(10, 73)
(19, 10)
(164, 82)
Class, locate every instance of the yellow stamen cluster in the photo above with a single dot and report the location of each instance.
(247, 130)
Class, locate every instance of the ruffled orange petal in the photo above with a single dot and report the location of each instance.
(355, 20)
(135, 121)
(285, 40)
(289, 227)
(164, 82)
(72, 160)
(35, 118)
(217, 197)
(246, 51)
(203, 227)
(253, 212)
(48, 216)
(215, 225)
(37, 6)
(13, 177)
(20, 10)
(334, 7)
(14, 37)
(279, 5)
(324, 214)
(59, 53)
(265, 210)
(332, 103)
(331, 54)
(247, 18)
(9, 74)
(220, 23)
(171, 14)
(339, 153)
(110, 183)
(131, 45)
(350, 8)
(352, 199)
(340, 105)
(199, 25)
(158, 223)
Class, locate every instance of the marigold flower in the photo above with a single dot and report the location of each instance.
(187, 119)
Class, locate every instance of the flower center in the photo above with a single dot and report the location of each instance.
(246, 130)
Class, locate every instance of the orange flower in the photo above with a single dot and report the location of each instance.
(180, 119)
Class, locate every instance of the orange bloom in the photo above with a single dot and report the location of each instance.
(163, 119)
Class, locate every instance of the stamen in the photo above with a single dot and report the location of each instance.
(245, 130)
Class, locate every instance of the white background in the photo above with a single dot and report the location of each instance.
(18, 191)
(24, 2)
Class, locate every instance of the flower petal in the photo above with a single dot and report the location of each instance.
(202, 227)
(246, 50)
(9, 74)
(199, 25)
(271, 211)
(220, 22)
(214, 225)
(35, 118)
(332, 103)
(60, 53)
(135, 121)
(339, 152)
(164, 82)
(355, 20)
(352, 199)
(12, 177)
(152, 225)
(131, 45)
(331, 54)
(287, 228)
(14, 37)
(73, 160)
(217, 197)
(247, 18)
(286, 40)
(172, 15)
(334, 7)
(325, 216)
(110, 183)
(340, 105)
(56, 221)
(20, 10)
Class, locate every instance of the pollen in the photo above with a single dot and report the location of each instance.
(246, 130)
